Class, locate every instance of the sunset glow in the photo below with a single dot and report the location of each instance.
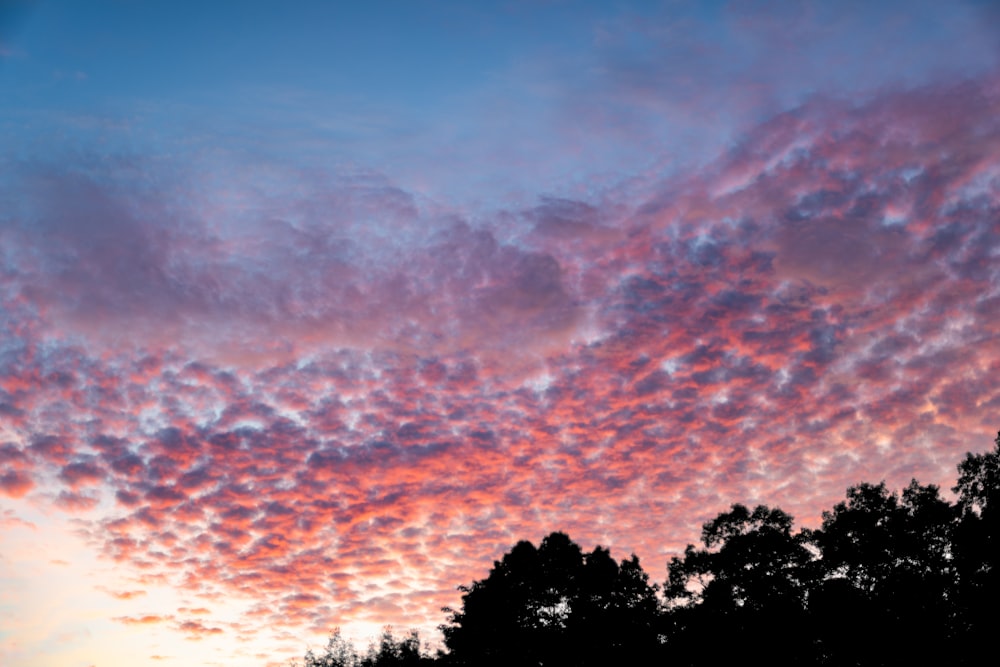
(309, 313)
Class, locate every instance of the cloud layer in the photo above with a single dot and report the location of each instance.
(342, 400)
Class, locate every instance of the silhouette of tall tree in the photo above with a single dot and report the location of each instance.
(749, 581)
(977, 547)
(510, 617)
(888, 570)
(614, 617)
(553, 606)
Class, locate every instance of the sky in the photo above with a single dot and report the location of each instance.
(310, 311)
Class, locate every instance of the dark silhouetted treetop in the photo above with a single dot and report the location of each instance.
(726, 601)
(750, 560)
(553, 605)
(887, 567)
(388, 651)
(977, 547)
(392, 652)
(978, 485)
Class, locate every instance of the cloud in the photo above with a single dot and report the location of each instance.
(147, 619)
(10, 519)
(126, 595)
(15, 483)
(81, 473)
(195, 630)
(809, 309)
(195, 610)
(72, 501)
(103, 249)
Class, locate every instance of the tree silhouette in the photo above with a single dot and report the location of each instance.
(553, 606)
(887, 572)
(388, 651)
(504, 618)
(393, 652)
(977, 547)
(748, 582)
(339, 653)
(614, 617)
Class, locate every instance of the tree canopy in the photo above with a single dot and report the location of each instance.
(554, 605)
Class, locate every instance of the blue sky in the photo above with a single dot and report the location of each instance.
(565, 89)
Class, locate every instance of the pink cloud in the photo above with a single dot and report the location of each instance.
(15, 483)
(810, 310)
(72, 501)
(10, 519)
(146, 619)
(195, 630)
(126, 595)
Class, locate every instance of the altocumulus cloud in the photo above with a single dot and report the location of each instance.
(340, 398)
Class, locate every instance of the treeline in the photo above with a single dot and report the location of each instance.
(888, 579)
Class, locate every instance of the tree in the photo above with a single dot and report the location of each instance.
(887, 576)
(748, 582)
(388, 651)
(977, 546)
(751, 561)
(978, 486)
(339, 653)
(393, 652)
(553, 605)
(614, 618)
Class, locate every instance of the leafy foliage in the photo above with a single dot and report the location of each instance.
(389, 651)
